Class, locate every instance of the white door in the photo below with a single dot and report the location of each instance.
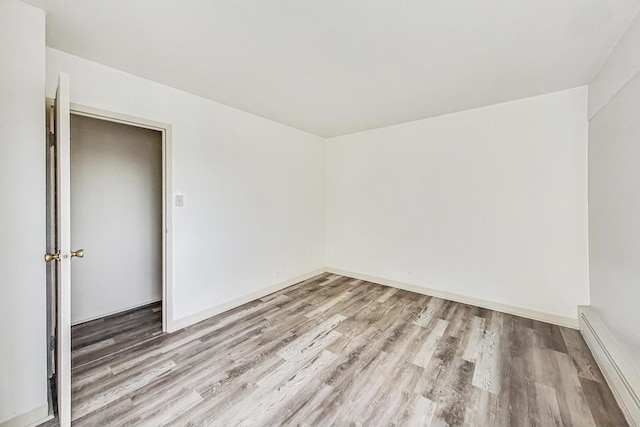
(60, 252)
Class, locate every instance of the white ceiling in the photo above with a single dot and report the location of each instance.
(332, 67)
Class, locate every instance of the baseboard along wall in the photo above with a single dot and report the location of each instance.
(621, 374)
(503, 308)
(221, 308)
(517, 311)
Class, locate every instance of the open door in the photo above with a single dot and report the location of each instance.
(59, 245)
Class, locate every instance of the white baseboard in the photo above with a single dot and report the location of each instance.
(621, 374)
(221, 308)
(517, 311)
(32, 418)
(503, 308)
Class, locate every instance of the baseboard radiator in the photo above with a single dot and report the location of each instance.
(621, 374)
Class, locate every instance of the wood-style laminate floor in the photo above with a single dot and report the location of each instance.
(338, 351)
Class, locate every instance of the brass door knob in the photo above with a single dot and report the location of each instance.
(50, 257)
(79, 253)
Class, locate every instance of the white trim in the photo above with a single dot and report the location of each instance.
(34, 417)
(111, 313)
(503, 308)
(112, 116)
(221, 308)
(167, 192)
(621, 374)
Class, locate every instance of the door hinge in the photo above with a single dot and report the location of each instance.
(52, 343)
(51, 139)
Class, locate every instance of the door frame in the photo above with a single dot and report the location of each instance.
(167, 206)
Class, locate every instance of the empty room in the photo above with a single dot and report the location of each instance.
(299, 213)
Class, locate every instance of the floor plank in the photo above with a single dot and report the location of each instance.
(333, 350)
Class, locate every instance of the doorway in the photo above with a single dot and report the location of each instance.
(136, 149)
(116, 216)
(100, 301)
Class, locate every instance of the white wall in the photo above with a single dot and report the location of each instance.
(614, 194)
(489, 203)
(116, 188)
(253, 189)
(23, 366)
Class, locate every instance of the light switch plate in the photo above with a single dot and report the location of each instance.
(179, 200)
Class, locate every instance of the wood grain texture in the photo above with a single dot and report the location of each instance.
(337, 351)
